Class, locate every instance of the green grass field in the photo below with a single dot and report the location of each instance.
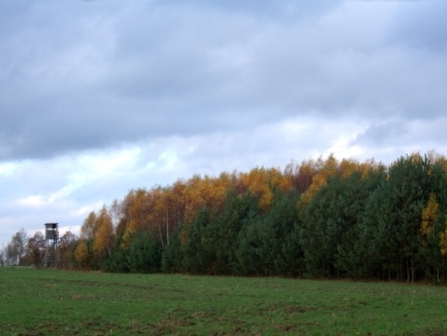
(49, 302)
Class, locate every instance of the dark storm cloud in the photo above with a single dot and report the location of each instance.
(97, 74)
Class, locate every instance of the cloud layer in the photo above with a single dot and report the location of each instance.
(97, 97)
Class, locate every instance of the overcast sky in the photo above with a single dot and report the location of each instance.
(98, 97)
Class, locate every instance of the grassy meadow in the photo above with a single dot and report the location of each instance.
(51, 302)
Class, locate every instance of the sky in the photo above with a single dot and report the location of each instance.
(99, 97)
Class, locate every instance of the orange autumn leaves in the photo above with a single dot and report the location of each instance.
(97, 238)
(429, 219)
(161, 210)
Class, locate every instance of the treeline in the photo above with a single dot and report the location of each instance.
(23, 250)
(320, 218)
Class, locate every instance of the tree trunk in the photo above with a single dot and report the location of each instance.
(412, 269)
(167, 227)
(161, 236)
(408, 270)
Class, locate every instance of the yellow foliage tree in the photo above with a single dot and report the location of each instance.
(429, 215)
(263, 182)
(321, 170)
(82, 255)
(443, 241)
(301, 175)
(206, 191)
(139, 209)
(325, 169)
(104, 234)
(347, 167)
(89, 227)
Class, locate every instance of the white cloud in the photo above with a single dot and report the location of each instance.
(36, 201)
(98, 97)
(8, 168)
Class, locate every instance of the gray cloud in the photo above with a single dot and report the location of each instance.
(421, 25)
(97, 97)
(283, 9)
(99, 74)
(383, 134)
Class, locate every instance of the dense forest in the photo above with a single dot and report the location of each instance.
(322, 218)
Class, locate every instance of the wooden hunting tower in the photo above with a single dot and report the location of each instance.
(51, 237)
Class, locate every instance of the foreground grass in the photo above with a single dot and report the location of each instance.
(48, 302)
